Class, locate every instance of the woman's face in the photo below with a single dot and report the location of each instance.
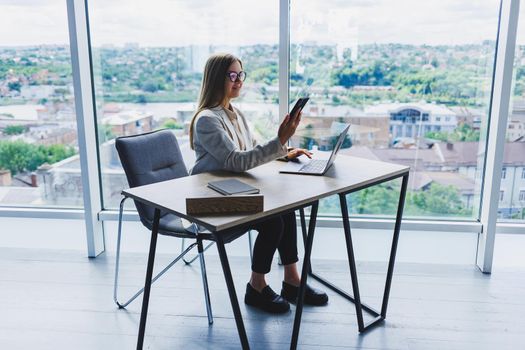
(233, 89)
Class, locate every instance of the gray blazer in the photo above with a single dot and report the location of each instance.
(216, 146)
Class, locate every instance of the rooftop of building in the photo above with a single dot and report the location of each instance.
(424, 107)
(125, 117)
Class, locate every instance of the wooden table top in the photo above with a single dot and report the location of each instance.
(281, 191)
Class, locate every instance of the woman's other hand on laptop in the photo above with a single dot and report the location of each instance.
(294, 153)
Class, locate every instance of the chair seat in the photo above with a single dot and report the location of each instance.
(171, 225)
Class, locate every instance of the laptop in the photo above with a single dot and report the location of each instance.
(316, 166)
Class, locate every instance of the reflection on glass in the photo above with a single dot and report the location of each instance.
(149, 59)
(39, 163)
(414, 85)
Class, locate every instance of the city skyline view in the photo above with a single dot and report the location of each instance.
(410, 99)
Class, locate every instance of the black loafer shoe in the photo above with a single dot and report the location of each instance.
(312, 296)
(267, 300)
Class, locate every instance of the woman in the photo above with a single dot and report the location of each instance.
(220, 136)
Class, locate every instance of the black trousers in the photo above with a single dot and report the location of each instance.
(277, 233)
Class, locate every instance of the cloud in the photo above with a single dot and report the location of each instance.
(33, 23)
(229, 22)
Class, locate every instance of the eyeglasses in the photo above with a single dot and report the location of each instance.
(233, 76)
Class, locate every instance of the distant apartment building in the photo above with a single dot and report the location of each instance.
(512, 189)
(469, 116)
(365, 130)
(414, 120)
(129, 123)
(516, 122)
(30, 92)
(516, 128)
(52, 134)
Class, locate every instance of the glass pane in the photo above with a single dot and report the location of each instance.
(512, 191)
(149, 58)
(413, 78)
(39, 164)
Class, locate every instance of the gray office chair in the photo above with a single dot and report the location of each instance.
(150, 158)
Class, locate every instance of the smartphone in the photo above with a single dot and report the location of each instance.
(301, 102)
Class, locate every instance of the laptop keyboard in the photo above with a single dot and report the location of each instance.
(315, 166)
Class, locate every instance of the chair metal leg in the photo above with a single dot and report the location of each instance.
(117, 264)
(250, 249)
(250, 245)
(205, 282)
(115, 285)
(189, 262)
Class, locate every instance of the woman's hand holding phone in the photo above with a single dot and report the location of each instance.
(291, 121)
(287, 128)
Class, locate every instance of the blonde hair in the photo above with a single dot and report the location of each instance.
(213, 92)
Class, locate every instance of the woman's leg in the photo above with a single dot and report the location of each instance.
(288, 249)
(258, 293)
(270, 233)
(292, 279)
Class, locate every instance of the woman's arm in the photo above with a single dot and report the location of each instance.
(215, 140)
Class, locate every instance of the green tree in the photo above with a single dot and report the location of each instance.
(172, 124)
(151, 86)
(19, 156)
(437, 199)
(383, 200)
(307, 141)
(14, 129)
(462, 133)
(104, 133)
(465, 133)
(14, 86)
(378, 200)
(141, 98)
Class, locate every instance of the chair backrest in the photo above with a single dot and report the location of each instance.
(149, 158)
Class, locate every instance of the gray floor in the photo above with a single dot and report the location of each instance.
(53, 299)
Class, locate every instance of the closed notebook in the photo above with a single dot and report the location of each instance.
(232, 186)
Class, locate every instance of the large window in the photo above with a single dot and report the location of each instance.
(413, 78)
(512, 206)
(39, 164)
(149, 58)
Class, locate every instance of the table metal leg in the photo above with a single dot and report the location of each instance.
(378, 317)
(231, 291)
(304, 274)
(149, 274)
(351, 262)
(393, 249)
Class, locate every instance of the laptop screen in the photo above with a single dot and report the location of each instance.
(337, 146)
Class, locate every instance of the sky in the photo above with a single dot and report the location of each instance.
(228, 22)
